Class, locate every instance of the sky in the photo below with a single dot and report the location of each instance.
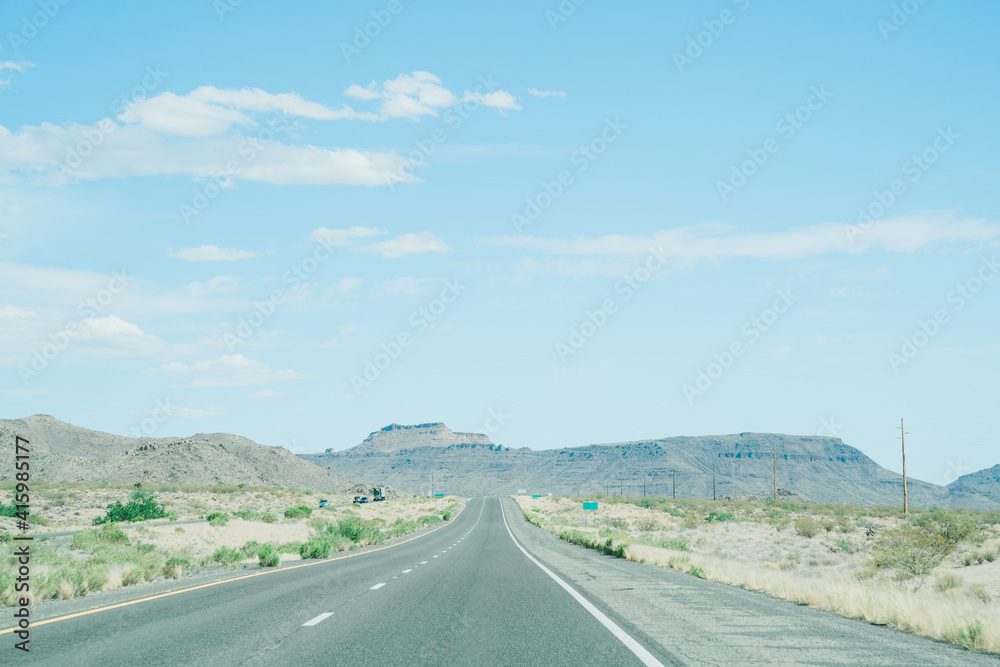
(556, 223)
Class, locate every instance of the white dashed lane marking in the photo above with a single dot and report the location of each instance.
(318, 619)
(376, 587)
(407, 571)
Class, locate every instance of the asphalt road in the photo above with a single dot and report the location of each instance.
(485, 589)
(464, 594)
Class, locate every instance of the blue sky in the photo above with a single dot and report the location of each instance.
(561, 227)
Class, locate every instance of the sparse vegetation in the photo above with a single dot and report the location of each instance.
(807, 527)
(298, 512)
(910, 552)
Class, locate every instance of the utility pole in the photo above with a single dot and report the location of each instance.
(902, 442)
(775, 459)
(620, 487)
(673, 479)
(713, 481)
(432, 485)
(643, 483)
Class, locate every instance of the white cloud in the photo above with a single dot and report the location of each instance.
(410, 244)
(348, 286)
(12, 66)
(407, 286)
(420, 94)
(232, 370)
(13, 313)
(342, 237)
(216, 285)
(902, 234)
(824, 340)
(111, 336)
(546, 93)
(211, 253)
(266, 393)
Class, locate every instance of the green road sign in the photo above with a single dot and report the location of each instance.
(590, 506)
(537, 495)
(439, 495)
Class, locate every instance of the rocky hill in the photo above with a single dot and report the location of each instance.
(818, 468)
(61, 452)
(982, 483)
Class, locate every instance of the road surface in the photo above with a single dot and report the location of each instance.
(486, 588)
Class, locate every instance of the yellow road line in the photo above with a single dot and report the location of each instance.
(226, 581)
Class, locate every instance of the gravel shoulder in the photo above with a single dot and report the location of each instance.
(707, 623)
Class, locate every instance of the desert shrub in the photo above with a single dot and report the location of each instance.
(268, 555)
(446, 515)
(249, 515)
(844, 545)
(401, 527)
(315, 548)
(358, 530)
(298, 512)
(616, 522)
(644, 502)
(108, 534)
(646, 524)
(828, 525)
(909, 551)
(140, 507)
(720, 516)
(8, 510)
(672, 511)
(218, 519)
(5, 536)
(696, 571)
(969, 637)
(978, 592)
(428, 519)
(673, 543)
(951, 525)
(269, 518)
(226, 557)
(807, 527)
(946, 581)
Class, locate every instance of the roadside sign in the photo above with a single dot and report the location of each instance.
(537, 495)
(590, 506)
(521, 492)
(439, 495)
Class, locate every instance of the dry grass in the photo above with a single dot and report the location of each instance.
(824, 568)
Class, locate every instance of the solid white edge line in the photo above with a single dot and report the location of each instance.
(376, 587)
(317, 620)
(631, 644)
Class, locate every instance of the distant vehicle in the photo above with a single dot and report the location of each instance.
(357, 499)
(377, 494)
(364, 499)
(324, 503)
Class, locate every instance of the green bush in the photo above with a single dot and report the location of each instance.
(358, 530)
(807, 527)
(218, 519)
(5, 536)
(446, 515)
(315, 548)
(107, 534)
(720, 516)
(298, 512)
(269, 518)
(227, 557)
(428, 519)
(616, 522)
(697, 571)
(140, 507)
(8, 510)
(268, 556)
(952, 525)
(910, 551)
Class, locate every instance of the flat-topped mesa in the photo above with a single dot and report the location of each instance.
(396, 437)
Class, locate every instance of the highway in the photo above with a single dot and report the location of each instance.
(486, 588)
